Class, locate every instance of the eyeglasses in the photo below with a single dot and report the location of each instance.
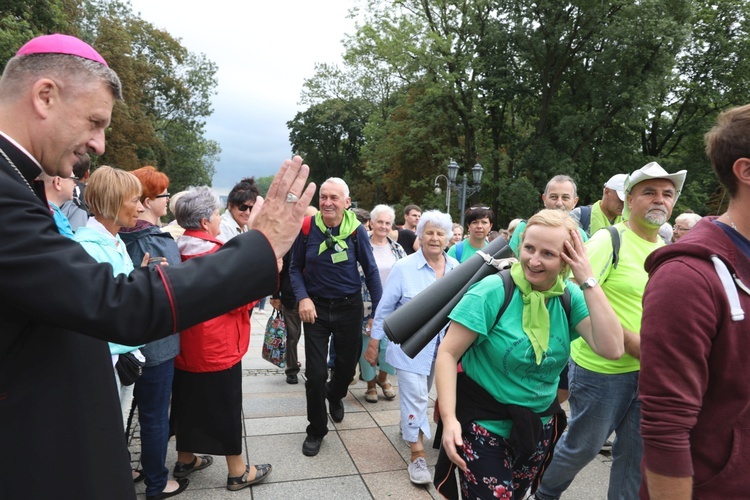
(244, 208)
(162, 196)
(680, 228)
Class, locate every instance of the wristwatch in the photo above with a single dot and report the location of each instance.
(588, 283)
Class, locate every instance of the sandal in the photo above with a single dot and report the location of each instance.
(138, 476)
(238, 482)
(388, 390)
(371, 395)
(184, 470)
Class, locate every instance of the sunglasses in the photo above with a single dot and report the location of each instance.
(244, 208)
(162, 196)
(329, 239)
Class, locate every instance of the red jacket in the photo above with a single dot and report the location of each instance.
(694, 388)
(219, 343)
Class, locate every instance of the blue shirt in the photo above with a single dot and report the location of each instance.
(314, 275)
(62, 222)
(408, 277)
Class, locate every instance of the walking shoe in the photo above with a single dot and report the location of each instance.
(235, 483)
(336, 408)
(311, 446)
(418, 472)
(291, 379)
(184, 470)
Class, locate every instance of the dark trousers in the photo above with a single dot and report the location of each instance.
(293, 332)
(152, 390)
(342, 319)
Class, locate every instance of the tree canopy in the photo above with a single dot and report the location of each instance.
(167, 90)
(529, 89)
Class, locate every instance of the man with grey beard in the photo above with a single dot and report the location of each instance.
(604, 393)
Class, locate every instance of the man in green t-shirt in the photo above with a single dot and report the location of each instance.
(479, 222)
(605, 212)
(604, 393)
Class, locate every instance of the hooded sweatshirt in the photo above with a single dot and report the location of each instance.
(694, 385)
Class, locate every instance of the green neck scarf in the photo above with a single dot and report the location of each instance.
(535, 314)
(349, 224)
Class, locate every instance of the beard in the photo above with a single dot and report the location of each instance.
(656, 216)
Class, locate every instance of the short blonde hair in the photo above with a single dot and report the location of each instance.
(107, 190)
(553, 218)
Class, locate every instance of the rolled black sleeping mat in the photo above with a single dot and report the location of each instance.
(417, 322)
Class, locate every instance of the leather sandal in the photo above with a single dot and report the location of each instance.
(388, 390)
(184, 470)
(235, 483)
(371, 395)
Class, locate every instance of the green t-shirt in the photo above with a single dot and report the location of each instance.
(466, 252)
(623, 287)
(515, 240)
(599, 220)
(502, 361)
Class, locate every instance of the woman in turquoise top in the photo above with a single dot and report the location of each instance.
(516, 359)
(113, 196)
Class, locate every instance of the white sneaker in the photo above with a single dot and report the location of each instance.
(418, 472)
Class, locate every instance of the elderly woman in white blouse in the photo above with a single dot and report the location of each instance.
(407, 278)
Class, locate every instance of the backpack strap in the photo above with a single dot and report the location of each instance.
(586, 218)
(615, 245)
(306, 225)
(509, 285)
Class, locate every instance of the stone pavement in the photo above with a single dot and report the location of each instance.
(362, 457)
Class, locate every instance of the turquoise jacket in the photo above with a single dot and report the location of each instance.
(104, 247)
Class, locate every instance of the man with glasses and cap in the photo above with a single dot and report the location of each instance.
(326, 283)
(239, 202)
(58, 307)
(604, 393)
(605, 212)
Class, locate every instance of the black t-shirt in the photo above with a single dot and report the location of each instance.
(406, 238)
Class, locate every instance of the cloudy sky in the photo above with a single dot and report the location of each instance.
(263, 55)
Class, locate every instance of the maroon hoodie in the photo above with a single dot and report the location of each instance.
(695, 381)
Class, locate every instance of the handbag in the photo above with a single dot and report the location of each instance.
(129, 368)
(274, 341)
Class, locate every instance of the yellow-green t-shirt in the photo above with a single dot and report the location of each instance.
(599, 220)
(623, 287)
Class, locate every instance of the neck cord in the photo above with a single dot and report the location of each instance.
(731, 222)
(16, 169)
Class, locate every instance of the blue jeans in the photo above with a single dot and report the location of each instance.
(152, 391)
(599, 404)
(342, 319)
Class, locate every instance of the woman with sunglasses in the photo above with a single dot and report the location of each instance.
(239, 203)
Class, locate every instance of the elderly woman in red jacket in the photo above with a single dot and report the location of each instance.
(207, 390)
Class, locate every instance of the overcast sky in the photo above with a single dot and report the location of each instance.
(264, 51)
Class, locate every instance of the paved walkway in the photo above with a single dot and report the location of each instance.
(363, 457)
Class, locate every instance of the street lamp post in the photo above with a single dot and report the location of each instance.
(464, 189)
(447, 192)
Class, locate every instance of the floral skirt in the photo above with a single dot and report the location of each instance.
(492, 470)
